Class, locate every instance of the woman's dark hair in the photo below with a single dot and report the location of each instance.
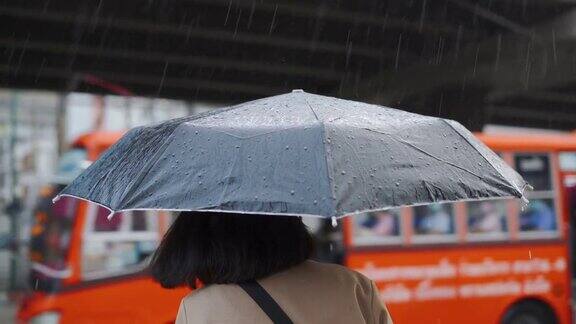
(221, 248)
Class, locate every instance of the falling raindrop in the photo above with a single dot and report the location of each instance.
(161, 85)
(273, 20)
(251, 14)
(498, 50)
(398, 52)
(554, 46)
(237, 22)
(228, 13)
(475, 61)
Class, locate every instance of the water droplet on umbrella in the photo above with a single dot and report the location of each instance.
(334, 221)
(397, 184)
(343, 172)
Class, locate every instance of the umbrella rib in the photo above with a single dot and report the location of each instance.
(255, 135)
(423, 151)
(312, 109)
(323, 126)
(514, 186)
(104, 177)
(179, 121)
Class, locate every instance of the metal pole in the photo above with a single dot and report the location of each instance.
(13, 186)
(61, 123)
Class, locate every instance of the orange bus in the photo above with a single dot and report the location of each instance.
(479, 261)
(467, 262)
(86, 269)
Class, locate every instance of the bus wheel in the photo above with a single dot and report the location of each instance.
(529, 312)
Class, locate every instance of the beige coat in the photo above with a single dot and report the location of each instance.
(311, 292)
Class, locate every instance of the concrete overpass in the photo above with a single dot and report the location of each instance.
(507, 62)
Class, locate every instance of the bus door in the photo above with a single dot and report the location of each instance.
(119, 245)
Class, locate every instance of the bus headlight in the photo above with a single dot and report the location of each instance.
(46, 318)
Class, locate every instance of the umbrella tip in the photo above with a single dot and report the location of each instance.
(334, 221)
(55, 199)
(297, 91)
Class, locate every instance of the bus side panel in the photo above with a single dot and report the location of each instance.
(137, 300)
(474, 284)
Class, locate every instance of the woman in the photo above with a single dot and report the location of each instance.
(235, 256)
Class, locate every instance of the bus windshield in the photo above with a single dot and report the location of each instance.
(52, 225)
(50, 240)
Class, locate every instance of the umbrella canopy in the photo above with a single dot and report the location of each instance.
(296, 154)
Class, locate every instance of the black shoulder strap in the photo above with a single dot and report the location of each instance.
(266, 302)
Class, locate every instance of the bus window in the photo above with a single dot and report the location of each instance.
(487, 219)
(140, 221)
(434, 222)
(539, 217)
(103, 224)
(535, 168)
(375, 228)
(567, 161)
(119, 245)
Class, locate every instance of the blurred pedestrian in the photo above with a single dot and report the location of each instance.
(256, 269)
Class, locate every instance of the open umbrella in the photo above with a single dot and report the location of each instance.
(296, 154)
